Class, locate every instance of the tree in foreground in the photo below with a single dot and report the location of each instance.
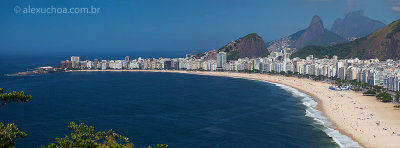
(13, 96)
(8, 134)
(85, 136)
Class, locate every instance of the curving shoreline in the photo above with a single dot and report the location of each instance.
(351, 113)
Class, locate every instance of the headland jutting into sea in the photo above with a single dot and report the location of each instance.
(360, 116)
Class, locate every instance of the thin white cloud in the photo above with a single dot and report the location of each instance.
(393, 4)
(348, 2)
(396, 8)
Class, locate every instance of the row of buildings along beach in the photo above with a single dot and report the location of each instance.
(372, 71)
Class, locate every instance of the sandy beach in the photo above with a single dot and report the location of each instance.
(367, 121)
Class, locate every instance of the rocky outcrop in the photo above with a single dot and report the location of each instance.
(249, 46)
(316, 34)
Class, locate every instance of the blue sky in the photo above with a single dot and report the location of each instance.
(167, 25)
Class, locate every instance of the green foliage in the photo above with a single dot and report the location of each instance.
(232, 55)
(86, 136)
(290, 73)
(83, 135)
(339, 83)
(370, 93)
(264, 53)
(272, 72)
(297, 35)
(8, 134)
(317, 51)
(14, 96)
(319, 78)
(395, 29)
(384, 97)
(341, 50)
(159, 146)
(360, 53)
(110, 142)
(378, 89)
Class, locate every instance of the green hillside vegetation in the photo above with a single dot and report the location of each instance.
(297, 35)
(328, 37)
(264, 53)
(340, 50)
(232, 55)
(395, 29)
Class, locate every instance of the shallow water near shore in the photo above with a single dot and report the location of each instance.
(180, 110)
(326, 126)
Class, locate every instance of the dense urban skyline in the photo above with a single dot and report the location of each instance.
(371, 71)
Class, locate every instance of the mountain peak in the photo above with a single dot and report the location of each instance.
(316, 25)
(356, 24)
(317, 22)
(315, 34)
(250, 46)
(382, 44)
(250, 36)
(359, 13)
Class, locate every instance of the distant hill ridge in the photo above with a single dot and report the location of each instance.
(382, 44)
(319, 41)
(355, 24)
(314, 34)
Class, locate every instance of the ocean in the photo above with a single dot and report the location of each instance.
(180, 110)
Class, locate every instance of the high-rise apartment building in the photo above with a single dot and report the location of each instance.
(221, 60)
(75, 59)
